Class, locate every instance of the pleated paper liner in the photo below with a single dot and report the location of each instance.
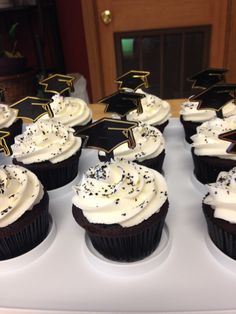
(206, 169)
(124, 244)
(190, 128)
(53, 176)
(25, 233)
(221, 232)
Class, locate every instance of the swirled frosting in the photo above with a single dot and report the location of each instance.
(189, 112)
(46, 140)
(149, 144)
(222, 196)
(20, 190)
(8, 116)
(123, 193)
(155, 110)
(206, 141)
(70, 111)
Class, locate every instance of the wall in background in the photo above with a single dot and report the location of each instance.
(73, 38)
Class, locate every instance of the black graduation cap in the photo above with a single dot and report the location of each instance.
(208, 77)
(123, 102)
(58, 83)
(133, 80)
(32, 108)
(107, 134)
(215, 97)
(4, 145)
(229, 136)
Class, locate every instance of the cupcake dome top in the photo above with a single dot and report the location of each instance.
(46, 140)
(206, 141)
(222, 196)
(120, 193)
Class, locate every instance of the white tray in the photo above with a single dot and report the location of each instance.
(187, 273)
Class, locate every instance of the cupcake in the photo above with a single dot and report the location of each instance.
(219, 207)
(50, 150)
(155, 111)
(209, 151)
(122, 206)
(149, 150)
(24, 217)
(9, 122)
(191, 117)
(71, 111)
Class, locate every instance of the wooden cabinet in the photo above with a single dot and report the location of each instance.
(162, 17)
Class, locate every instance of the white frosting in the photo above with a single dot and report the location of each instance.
(46, 140)
(189, 112)
(206, 141)
(70, 111)
(120, 192)
(8, 116)
(20, 190)
(222, 196)
(149, 144)
(155, 110)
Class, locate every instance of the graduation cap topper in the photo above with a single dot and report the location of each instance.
(229, 136)
(107, 134)
(123, 102)
(133, 80)
(4, 145)
(208, 77)
(215, 97)
(58, 83)
(32, 108)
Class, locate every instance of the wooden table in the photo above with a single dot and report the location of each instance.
(98, 109)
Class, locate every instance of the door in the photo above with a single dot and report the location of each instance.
(167, 23)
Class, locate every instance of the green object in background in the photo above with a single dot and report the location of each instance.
(127, 46)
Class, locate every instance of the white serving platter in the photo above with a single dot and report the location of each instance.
(187, 273)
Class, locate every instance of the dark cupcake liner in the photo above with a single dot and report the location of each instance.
(190, 128)
(161, 127)
(25, 233)
(206, 169)
(221, 232)
(15, 129)
(155, 163)
(53, 176)
(125, 244)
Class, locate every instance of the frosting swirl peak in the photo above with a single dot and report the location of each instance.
(155, 110)
(8, 116)
(70, 111)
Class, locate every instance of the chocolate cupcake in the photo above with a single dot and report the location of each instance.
(156, 111)
(50, 150)
(122, 206)
(209, 152)
(71, 111)
(149, 150)
(219, 207)
(9, 122)
(24, 217)
(191, 117)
